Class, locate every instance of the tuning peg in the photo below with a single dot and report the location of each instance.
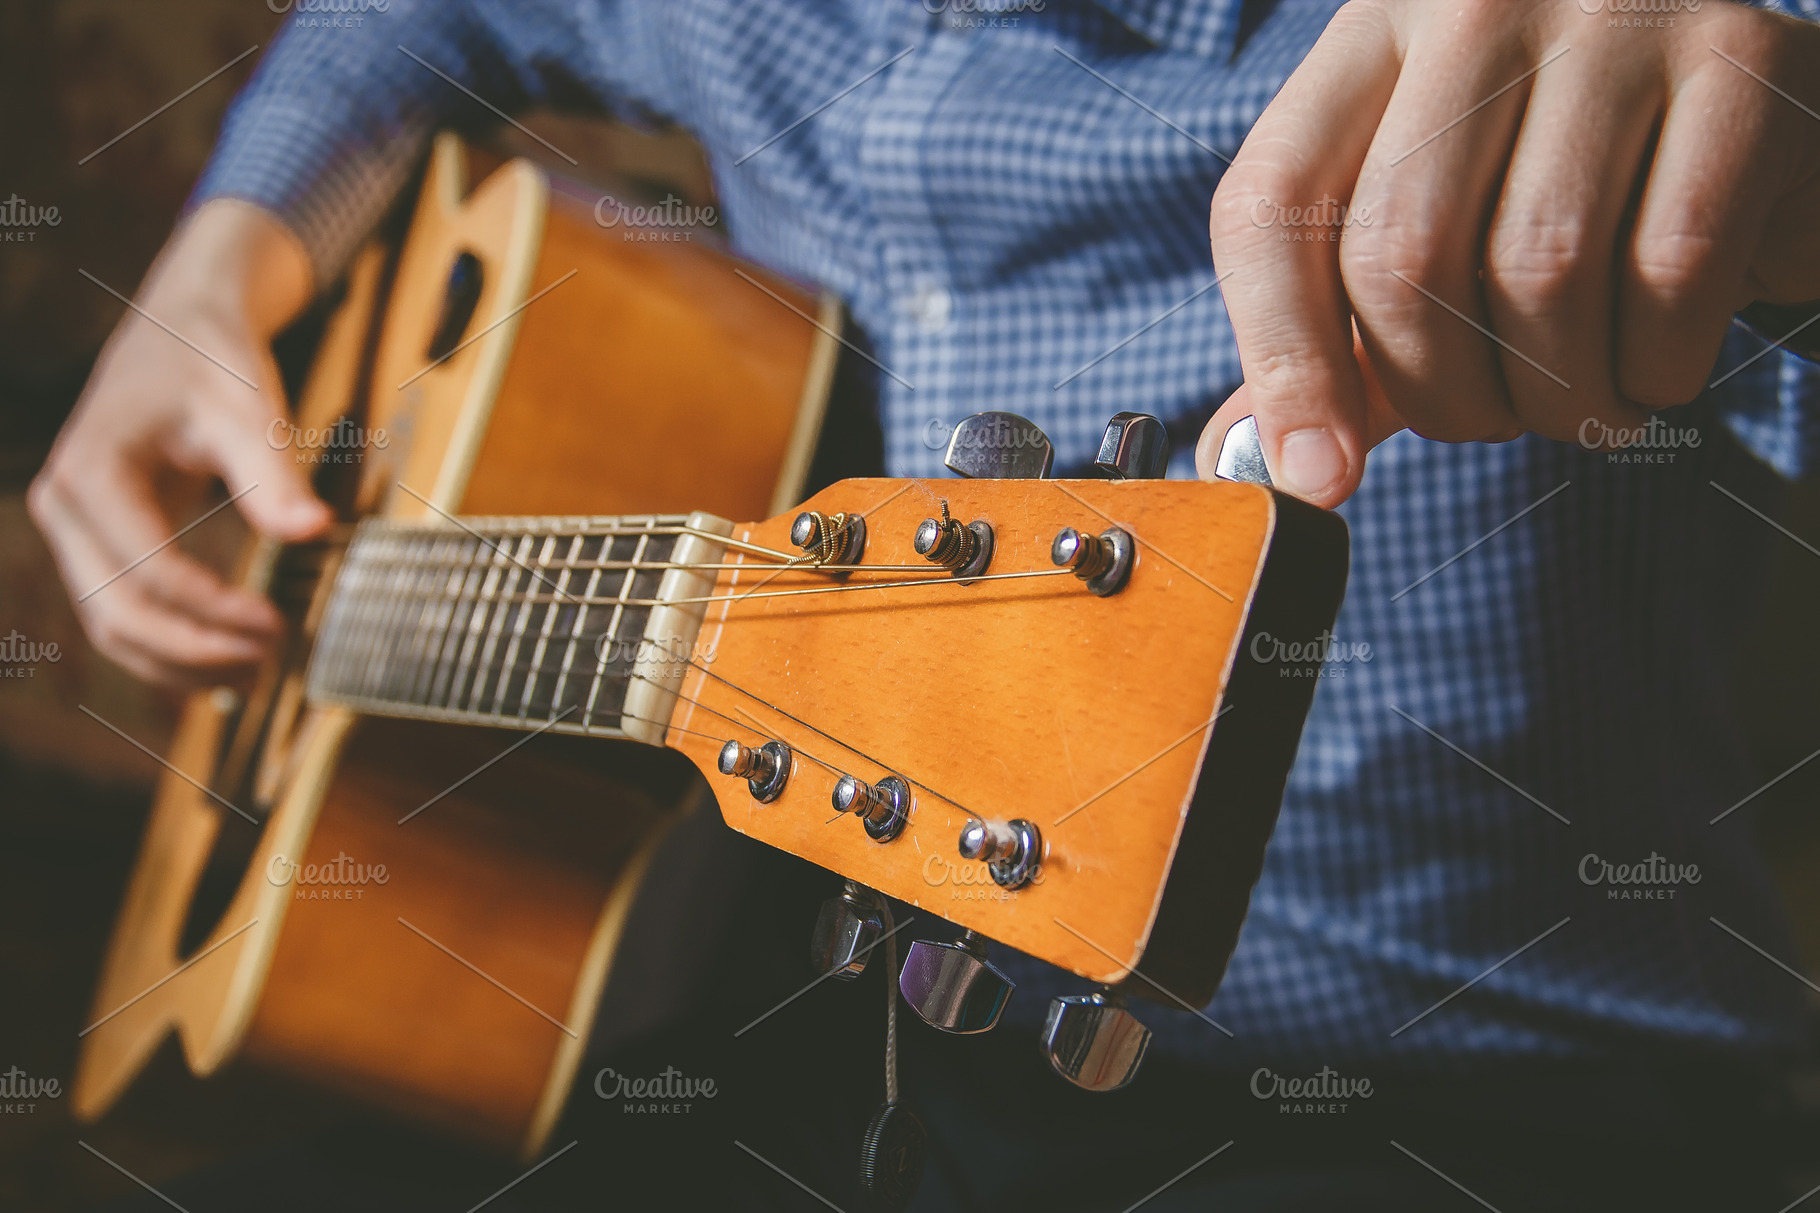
(766, 768)
(1093, 1041)
(1135, 447)
(1242, 454)
(883, 808)
(999, 446)
(953, 986)
(1103, 561)
(845, 931)
(1012, 850)
(837, 539)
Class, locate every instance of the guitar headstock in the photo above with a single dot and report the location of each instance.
(1018, 745)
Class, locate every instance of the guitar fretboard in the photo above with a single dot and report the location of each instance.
(530, 623)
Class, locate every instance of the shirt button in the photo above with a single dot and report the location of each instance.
(932, 307)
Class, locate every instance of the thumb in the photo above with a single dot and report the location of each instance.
(254, 452)
(1380, 422)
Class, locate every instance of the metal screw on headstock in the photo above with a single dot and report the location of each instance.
(1012, 850)
(965, 551)
(765, 768)
(883, 808)
(1103, 561)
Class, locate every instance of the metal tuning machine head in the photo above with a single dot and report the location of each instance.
(953, 987)
(883, 808)
(1134, 447)
(845, 931)
(1103, 561)
(1093, 1041)
(836, 539)
(765, 768)
(999, 446)
(963, 549)
(1011, 850)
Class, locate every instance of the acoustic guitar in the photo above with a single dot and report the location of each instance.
(1039, 677)
(491, 360)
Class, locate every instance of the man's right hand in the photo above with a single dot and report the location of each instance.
(157, 421)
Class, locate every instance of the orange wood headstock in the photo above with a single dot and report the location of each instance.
(1147, 749)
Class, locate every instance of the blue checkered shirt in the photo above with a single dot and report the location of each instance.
(1023, 189)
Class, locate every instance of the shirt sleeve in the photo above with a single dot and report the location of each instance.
(1770, 398)
(333, 121)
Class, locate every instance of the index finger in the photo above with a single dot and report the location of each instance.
(1278, 217)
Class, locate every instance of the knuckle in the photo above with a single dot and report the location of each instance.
(1674, 268)
(1538, 266)
(1380, 264)
(1251, 189)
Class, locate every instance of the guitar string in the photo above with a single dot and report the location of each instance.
(831, 737)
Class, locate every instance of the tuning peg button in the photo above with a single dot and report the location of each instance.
(765, 768)
(1093, 1041)
(1134, 447)
(952, 986)
(1103, 561)
(845, 932)
(1012, 850)
(999, 446)
(883, 808)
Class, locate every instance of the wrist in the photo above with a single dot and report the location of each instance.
(235, 260)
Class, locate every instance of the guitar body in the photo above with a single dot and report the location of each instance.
(449, 965)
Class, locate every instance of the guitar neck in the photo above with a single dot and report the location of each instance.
(574, 625)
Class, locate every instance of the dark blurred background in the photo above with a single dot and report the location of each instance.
(73, 797)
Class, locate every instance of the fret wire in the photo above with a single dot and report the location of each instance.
(548, 629)
(575, 634)
(371, 673)
(344, 610)
(442, 662)
(510, 571)
(450, 648)
(438, 637)
(411, 639)
(614, 622)
(524, 621)
(477, 624)
(430, 620)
